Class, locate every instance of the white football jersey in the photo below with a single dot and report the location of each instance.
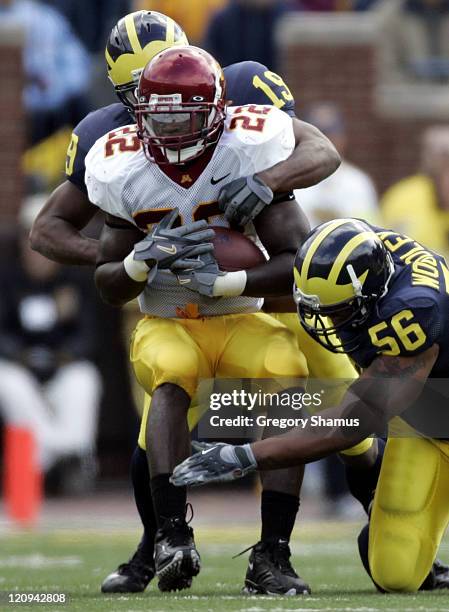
(122, 182)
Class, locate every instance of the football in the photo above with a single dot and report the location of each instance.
(234, 251)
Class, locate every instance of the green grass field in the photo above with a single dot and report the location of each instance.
(75, 562)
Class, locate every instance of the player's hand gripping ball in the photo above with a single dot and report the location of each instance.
(232, 251)
(166, 244)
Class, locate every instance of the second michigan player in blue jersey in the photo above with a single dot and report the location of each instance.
(383, 298)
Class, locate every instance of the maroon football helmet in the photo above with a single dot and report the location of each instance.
(181, 104)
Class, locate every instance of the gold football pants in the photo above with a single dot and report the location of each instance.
(184, 351)
(410, 512)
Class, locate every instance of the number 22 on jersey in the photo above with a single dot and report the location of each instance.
(121, 141)
(244, 118)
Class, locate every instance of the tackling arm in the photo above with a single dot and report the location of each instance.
(56, 232)
(313, 159)
(281, 228)
(385, 389)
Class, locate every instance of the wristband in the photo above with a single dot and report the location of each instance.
(230, 284)
(250, 455)
(137, 270)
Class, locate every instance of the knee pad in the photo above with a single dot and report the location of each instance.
(393, 562)
(181, 362)
(283, 357)
(168, 364)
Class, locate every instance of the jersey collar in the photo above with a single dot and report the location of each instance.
(185, 175)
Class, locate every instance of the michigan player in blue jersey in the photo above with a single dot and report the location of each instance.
(383, 298)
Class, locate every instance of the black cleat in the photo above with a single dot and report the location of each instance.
(438, 577)
(175, 556)
(133, 576)
(271, 573)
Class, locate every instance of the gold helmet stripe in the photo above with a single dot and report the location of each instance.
(343, 255)
(132, 34)
(316, 243)
(109, 60)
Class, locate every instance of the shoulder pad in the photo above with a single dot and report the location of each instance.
(256, 123)
(108, 165)
(260, 136)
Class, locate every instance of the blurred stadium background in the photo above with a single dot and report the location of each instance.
(374, 75)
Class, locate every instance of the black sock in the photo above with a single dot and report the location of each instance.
(168, 500)
(278, 515)
(140, 478)
(362, 482)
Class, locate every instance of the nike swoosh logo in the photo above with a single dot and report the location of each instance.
(170, 250)
(204, 452)
(215, 181)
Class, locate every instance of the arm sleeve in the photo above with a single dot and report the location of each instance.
(83, 139)
(84, 136)
(253, 83)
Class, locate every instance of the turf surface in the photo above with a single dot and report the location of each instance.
(75, 562)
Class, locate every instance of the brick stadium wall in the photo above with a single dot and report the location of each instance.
(12, 126)
(340, 58)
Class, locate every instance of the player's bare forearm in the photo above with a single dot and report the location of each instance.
(116, 242)
(56, 232)
(115, 286)
(281, 228)
(314, 159)
(283, 303)
(272, 278)
(386, 389)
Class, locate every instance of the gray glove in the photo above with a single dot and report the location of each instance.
(243, 199)
(165, 244)
(197, 274)
(214, 463)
